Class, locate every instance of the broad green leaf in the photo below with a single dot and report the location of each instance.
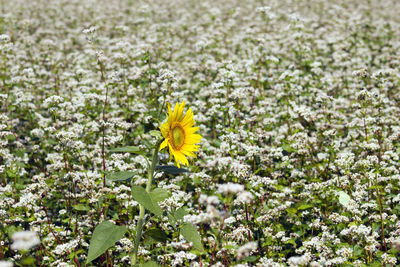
(171, 219)
(144, 198)
(304, 206)
(250, 259)
(120, 176)
(11, 137)
(158, 194)
(147, 264)
(171, 169)
(375, 187)
(190, 233)
(291, 210)
(344, 198)
(180, 213)
(157, 234)
(127, 149)
(81, 207)
(288, 148)
(105, 235)
(29, 261)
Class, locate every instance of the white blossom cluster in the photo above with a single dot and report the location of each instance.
(297, 103)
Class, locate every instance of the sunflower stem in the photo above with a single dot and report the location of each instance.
(139, 228)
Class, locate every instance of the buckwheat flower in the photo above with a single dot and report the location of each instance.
(386, 259)
(179, 134)
(230, 188)
(6, 264)
(299, 260)
(246, 250)
(245, 197)
(24, 240)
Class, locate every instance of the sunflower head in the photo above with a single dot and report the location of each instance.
(179, 134)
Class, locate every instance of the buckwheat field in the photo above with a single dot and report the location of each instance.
(199, 133)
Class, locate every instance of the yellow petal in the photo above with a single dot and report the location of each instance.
(188, 121)
(179, 116)
(188, 147)
(188, 153)
(175, 113)
(192, 130)
(164, 144)
(164, 129)
(192, 139)
(181, 157)
(169, 114)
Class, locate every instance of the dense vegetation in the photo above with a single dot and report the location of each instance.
(297, 103)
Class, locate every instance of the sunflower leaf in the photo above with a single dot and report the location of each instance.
(140, 195)
(157, 234)
(190, 233)
(120, 176)
(147, 264)
(105, 235)
(158, 194)
(171, 169)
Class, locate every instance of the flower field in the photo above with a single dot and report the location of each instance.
(199, 133)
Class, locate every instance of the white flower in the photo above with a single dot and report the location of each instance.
(246, 250)
(24, 240)
(245, 197)
(6, 264)
(230, 188)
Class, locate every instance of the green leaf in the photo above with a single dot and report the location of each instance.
(29, 261)
(180, 213)
(158, 194)
(291, 210)
(128, 149)
(171, 169)
(344, 198)
(171, 219)
(190, 233)
(105, 235)
(144, 198)
(147, 264)
(81, 207)
(120, 176)
(288, 148)
(357, 250)
(304, 206)
(157, 234)
(250, 259)
(11, 137)
(155, 133)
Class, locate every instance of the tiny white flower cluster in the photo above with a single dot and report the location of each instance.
(246, 250)
(230, 188)
(25, 240)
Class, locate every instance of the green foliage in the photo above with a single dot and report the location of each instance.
(120, 176)
(144, 198)
(146, 264)
(190, 233)
(171, 169)
(158, 194)
(105, 235)
(157, 234)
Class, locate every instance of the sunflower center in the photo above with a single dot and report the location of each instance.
(178, 136)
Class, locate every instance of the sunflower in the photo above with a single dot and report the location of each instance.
(179, 134)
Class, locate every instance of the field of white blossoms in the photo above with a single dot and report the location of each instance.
(283, 117)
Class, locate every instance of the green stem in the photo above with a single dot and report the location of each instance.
(139, 227)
